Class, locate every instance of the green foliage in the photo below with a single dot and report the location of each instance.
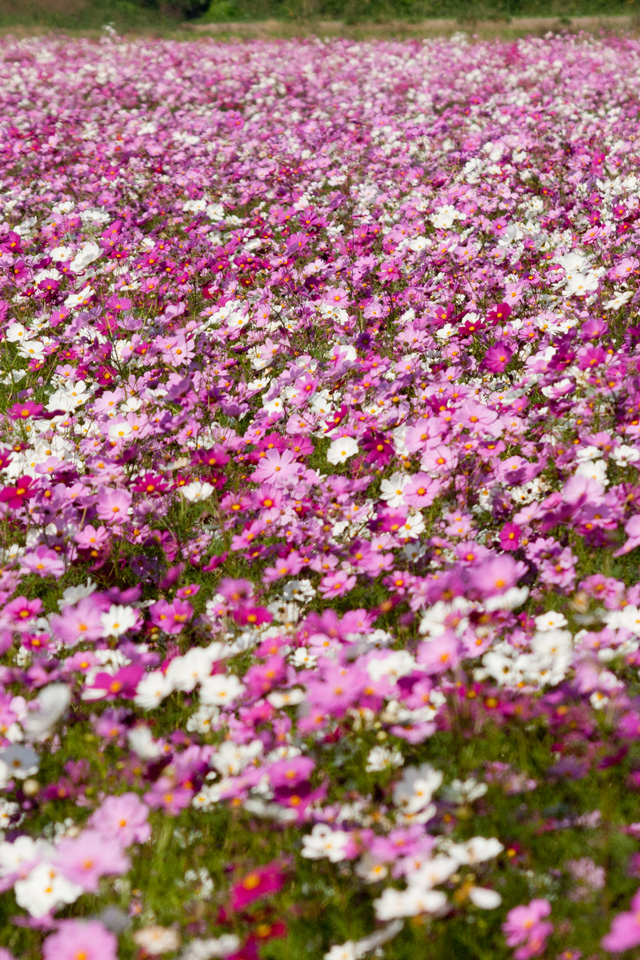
(166, 15)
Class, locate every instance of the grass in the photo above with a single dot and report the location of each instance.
(86, 16)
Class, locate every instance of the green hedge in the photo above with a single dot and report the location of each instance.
(352, 10)
(380, 10)
(159, 15)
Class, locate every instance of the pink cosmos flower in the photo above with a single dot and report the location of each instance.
(525, 928)
(171, 617)
(438, 459)
(113, 505)
(336, 584)
(625, 929)
(166, 795)
(122, 819)
(476, 416)
(90, 538)
(235, 591)
(421, 491)
(579, 490)
(82, 622)
(286, 773)
(277, 467)
(439, 654)
(497, 575)
(43, 561)
(632, 530)
(74, 938)
(85, 859)
(337, 296)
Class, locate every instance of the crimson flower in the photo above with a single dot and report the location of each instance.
(258, 883)
(15, 497)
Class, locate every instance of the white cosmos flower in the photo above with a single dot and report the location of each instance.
(79, 299)
(32, 349)
(68, 397)
(16, 332)
(628, 619)
(286, 698)
(9, 814)
(484, 899)
(52, 701)
(44, 889)
(414, 791)
(392, 490)
(117, 620)
(408, 903)
(61, 253)
(208, 949)
(444, 217)
(550, 621)
(152, 690)
(371, 868)
(343, 951)
(475, 850)
(156, 940)
(509, 600)
(73, 595)
(193, 668)
(382, 758)
(196, 491)
(581, 284)
(618, 301)
(5, 774)
(119, 431)
(625, 454)
(19, 856)
(464, 791)
(433, 872)
(86, 255)
(220, 689)
(141, 741)
(325, 842)
(341, 449)
(594, 469)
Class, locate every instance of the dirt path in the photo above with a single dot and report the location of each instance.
(516, 27)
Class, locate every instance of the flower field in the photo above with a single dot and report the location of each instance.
(319, 499)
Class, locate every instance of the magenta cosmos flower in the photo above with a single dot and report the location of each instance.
(15, 497)
(258, 883)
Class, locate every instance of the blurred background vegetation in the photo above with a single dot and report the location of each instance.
(162, 16)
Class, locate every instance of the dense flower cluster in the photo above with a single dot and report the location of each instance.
(319, 499)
